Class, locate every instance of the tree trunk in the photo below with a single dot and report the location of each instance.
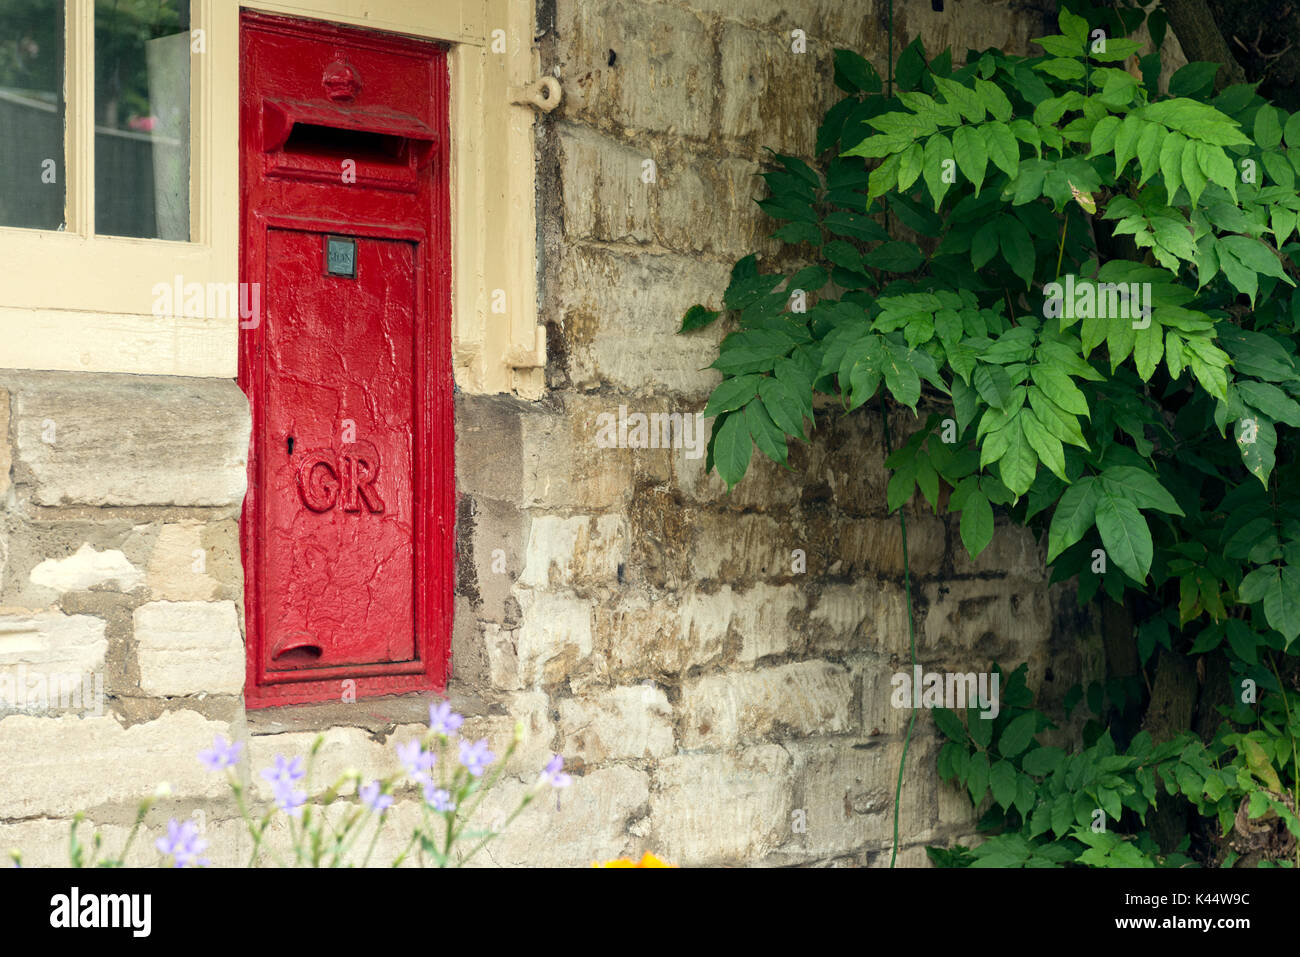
(1201, 39)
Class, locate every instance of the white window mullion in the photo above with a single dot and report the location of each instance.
(80, 120)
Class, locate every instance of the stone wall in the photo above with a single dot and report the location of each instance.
(715, 668)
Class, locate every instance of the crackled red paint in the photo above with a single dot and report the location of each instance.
(347, 526)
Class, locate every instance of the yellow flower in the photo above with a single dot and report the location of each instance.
(647, 860)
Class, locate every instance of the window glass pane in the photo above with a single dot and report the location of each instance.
(142, 118)
(31, 113)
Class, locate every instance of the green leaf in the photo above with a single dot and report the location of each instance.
(1148, 347)
(995, 101)
(1282, 604)
(1017, 735)
(1002, 779)
(1043, 761)
(1270, 400)
(976, 524)
(1045, 444)
(1075, 514)
(854, 74)
(977, 778)
(1194, 79)
(1019, 465)
(1171, 163)
(1017, 248)
(900, 377)
(1002, 147)
(993, 384)
(1103, 135)
(767, 436)
(732, 394)
(783, 405)
(909, 166)
(971, 154)
(1193, 178)
(1258, 456)
(732, 448)
(895, 257)
(1059, 387)
(697, 317)
(948, 722)
(1217, 167)
(1124, 534)
(1140, 487)
(1268, 127)
(937, 161)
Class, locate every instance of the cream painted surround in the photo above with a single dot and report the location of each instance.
(75, 301)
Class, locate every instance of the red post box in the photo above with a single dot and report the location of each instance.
(347, 531)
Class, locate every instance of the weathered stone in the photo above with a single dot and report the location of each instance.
(762, 619)
(1013, 552)
(605, 196)
(874, 546)
(971, 623)
(178, 565)
(635, 346)
(766, 486)
(87, 568)
(847, 796)
(148, 440)
(804, 698)
(858, 616)
(189, 647)
(594, 819)
(67, 764)
(44, 842)
(629, 722)
(6, 450)
(49, 646)
(581, 549)
(737, 548)
(771, 96)
(554, 638)
(721, 808)
(644, 636)
(563, 467)
(661, 77)
(343, 750)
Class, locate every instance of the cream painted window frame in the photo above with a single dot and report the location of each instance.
(76, 301)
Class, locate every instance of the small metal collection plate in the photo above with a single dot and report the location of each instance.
(341, 257)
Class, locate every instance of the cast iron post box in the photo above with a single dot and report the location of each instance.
(347, 532)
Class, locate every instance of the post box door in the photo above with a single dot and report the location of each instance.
(338, 522)
(347, 527)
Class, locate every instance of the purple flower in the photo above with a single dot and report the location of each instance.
(438, 798)
(442, 720)
(476, 757)
(289, 799)
(552, 774)
(183, 844)
(284, 772)
(223, 754)
(372, 798)
(416, 760)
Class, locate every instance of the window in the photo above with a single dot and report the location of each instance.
(140, 108)
(142, 118)
(32, 114)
